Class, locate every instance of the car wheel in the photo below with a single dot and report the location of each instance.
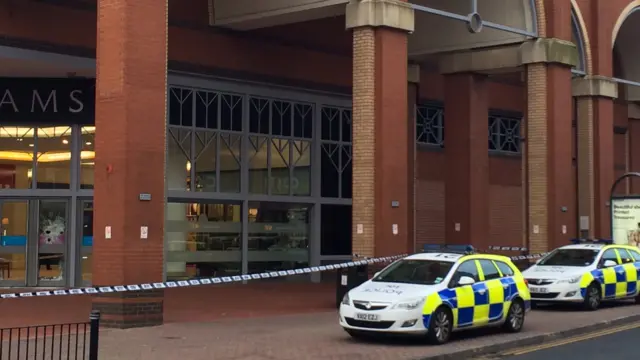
(593, 297)
(440, 326)
(515, 317)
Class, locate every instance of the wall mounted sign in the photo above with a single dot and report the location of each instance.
(49, 101)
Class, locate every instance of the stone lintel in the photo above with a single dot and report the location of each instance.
(549, 50)
(380, 13)
(596, 85)
(413, 73)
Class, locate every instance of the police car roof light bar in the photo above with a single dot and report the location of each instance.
(456, 249)
(592, 241)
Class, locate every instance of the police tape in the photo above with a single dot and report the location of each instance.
(219, 280)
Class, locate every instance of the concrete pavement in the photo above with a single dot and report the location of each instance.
(318, 336)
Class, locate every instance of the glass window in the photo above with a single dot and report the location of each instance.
(423, 272)
(16, 157)
(52, 238)
(635, 254)
(336, 155)
(230, 162)
(87, 156)
(53, 157)
(86, 251)
(609, 255)
(430, 124)
(504, 133)
(280, 162)
(467, 268)
(13, 241)
(505, 269)
(205, 160)
(278, 236)
(301, 163)
(489, 270)
(258, 164)
(570, 257)
(335, 230)
(625, 256)
(203, 240)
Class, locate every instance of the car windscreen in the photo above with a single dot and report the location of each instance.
(422, 272)
(570, 257)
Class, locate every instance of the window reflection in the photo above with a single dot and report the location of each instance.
(87, 242)
(53, 156)
(278, 236)
(203, 240)
(16, 157)
(87, 164)
(178, 155)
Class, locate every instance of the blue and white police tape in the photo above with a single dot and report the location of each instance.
(218, 280)
(508, 248)
(203, 281)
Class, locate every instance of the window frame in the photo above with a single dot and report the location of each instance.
(495, 267)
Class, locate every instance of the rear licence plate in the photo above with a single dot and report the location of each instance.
(367, 317)
(538, 290)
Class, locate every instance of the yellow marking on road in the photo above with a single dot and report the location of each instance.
(571, 340)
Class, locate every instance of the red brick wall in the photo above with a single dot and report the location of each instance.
(505, 194)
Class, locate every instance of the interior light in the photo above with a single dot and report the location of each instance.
(44, 157)
(88, 143)
(65, 141)
(188, 165)
(30, 173)
(30, 145)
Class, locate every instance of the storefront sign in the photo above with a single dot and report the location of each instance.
(47, 101)
(625, 221)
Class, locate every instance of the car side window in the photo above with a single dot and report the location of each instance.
(489, 270)
(625, 256)
(505, 269)
(467, 268)
(609, 254)
(635, 254)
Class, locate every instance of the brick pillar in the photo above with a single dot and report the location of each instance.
(467, 160)
(413, 93)
(634, 146)
(551, 215)
(130, 158)
(595, 152)
(381, 164)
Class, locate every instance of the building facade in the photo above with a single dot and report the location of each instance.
(143, 141)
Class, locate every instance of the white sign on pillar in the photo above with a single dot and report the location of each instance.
(625, 221)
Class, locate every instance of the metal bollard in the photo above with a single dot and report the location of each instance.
(94, 334)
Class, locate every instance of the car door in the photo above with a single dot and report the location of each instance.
(631, 271)
(493, 310)
(612, 276)
(466, 295)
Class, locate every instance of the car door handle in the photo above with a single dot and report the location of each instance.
(481, 292)
(505, 286)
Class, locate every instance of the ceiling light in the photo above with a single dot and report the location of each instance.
(65, 141)
(88, 143)
(30, 145)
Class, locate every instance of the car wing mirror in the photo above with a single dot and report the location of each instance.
(466, 280)
(609, 263)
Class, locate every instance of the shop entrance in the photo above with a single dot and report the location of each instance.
(34, 241)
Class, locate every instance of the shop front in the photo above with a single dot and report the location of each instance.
(46, 174)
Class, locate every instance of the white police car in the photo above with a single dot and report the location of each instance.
(436, 293)
(586, 272)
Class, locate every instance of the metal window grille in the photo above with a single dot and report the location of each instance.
(504, 134)
(430, 124)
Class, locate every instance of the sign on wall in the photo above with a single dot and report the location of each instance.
(47, 101)
(625, 221)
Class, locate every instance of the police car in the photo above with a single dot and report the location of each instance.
(438, 292)
(586, 272)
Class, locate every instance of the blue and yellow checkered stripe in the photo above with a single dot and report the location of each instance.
(615, 282)
(482, 303)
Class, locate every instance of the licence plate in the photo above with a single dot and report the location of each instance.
(538, 290)
(367, 317)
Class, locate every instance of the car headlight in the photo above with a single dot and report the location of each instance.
(572, 280)
(409, 304)
(346, 300)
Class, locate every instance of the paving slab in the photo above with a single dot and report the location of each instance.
(318, 336)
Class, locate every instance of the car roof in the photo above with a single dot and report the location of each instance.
(453, 257)
(584, 246)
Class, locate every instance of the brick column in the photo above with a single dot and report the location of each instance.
(130, 158)
(381, 201)
(634, 145)
(551, 219)
(413, 93)
(467, 160)
(595, 151)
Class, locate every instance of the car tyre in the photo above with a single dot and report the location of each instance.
(440, 326)
(593, 297)
(515, 317)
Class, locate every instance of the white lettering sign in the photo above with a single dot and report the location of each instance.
(43, 106)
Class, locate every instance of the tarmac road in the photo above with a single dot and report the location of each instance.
(618, 343)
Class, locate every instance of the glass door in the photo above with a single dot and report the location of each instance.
(14, 226)
(50, 239)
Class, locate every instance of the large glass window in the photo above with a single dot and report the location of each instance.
(204, 140)
(86, 248)
(13, 241)
(53, 157)
(278, 236)
(335, 230)
(203, 240)
(87, 156)
(17, 152)
(337, 168)
(280, 147)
